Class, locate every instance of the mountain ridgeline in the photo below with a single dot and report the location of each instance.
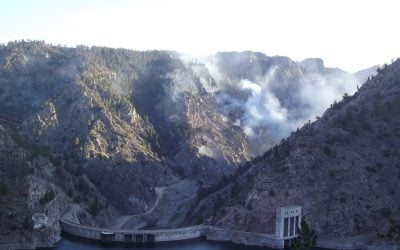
(103, 127)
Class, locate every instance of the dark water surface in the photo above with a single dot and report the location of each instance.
(71, 242)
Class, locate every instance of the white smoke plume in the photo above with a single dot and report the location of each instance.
(269, 97)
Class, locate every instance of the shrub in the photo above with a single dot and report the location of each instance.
(271, 192)
(371, 169)
(366, 126)
(306, 238)
(3, 189)
(387, 153)
(57, 161)
(95, 207)
(48, 196)
(70, 193)
(219, 203)
(387, 212)
(235, 189)
(28, 223)
(328, 150)
(394, 231)
(82, 186)
(77, 199)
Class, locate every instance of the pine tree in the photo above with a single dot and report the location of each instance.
(306, 238)
(394, 231)
(3, 189)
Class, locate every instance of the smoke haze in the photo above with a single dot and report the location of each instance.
(269, 97)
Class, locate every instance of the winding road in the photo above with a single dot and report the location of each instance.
(121, 221)
(71, 213)
(168, 209)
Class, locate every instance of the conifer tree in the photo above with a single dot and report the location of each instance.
(306, 238)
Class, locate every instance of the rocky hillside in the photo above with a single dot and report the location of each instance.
(104, 127)
(35, 191)
(343, 169)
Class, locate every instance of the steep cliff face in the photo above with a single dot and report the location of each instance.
(343, 169)
(193, 130)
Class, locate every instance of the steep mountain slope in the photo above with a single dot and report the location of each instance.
(34, 192)
(104, 127)
(343, 169)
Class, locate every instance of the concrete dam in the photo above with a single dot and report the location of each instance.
(134, 236)
(162, 235)
(287, 220)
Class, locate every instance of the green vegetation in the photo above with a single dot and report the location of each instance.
(70, 193)
(387, 212)
(394, 231)
(224, 181)
(219, 202)
(3, 189)
(77, 199)
(387, 153)
(82, 186)
(306, 238)
(57, 161)
(330, 152)
(48, 196)
(271, 192)
(28, 223)
(95, 207)
(34, 150)
(235, 189)
(371, 169)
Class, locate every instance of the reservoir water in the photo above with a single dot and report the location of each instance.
(71, 243)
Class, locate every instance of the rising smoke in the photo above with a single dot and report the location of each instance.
(269, 97)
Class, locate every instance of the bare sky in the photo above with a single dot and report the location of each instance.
(349, 34)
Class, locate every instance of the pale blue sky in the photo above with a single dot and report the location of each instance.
(351, 34)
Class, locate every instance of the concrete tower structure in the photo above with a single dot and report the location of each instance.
(287, 221)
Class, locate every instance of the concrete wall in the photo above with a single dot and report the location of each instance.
(349, 243)
(212, 233)
(246, 238)
(119, 235)
(181, 233)
(79, 230)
